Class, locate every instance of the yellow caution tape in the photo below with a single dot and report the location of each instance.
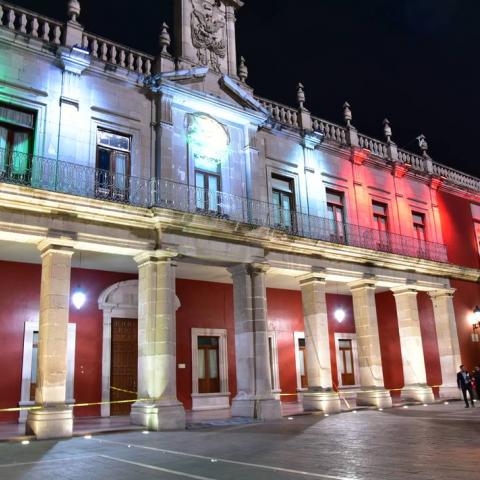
(109, 402)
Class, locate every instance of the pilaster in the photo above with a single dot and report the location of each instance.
(320, 395)
(370, 360)
(54, 419)
(254, 390)
(158, 408)
(413, 361)
(447, 339)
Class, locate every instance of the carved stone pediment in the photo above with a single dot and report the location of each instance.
(208, 27)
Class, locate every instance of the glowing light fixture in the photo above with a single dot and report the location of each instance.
(475, 321)
(339, 315)
(208, 138)
(79, 297)
(25, 442)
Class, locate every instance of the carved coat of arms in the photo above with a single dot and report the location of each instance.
(208, 29)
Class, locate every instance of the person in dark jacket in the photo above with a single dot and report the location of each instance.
(464, 382)
(476, 377)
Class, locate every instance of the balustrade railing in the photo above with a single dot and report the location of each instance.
(58, 176)
(281, 113)
(416, 161)
(457, 177)
(378, 148)
(117, 54)
(29, 23)
(331, 131)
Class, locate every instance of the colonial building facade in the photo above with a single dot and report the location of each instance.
(168, 237)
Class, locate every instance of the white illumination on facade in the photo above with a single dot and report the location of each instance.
(208, 138)
(339, 315)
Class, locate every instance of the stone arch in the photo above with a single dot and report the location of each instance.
(120, 300)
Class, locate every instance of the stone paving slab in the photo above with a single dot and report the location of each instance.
(437, 442)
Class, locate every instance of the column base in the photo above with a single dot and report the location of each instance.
(417, 393)
(449, 392)
(50, 422)
(256, 407)
(374, 397)
(159, 416)
(324, 401)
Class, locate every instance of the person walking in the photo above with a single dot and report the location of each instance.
(464, 382)
(476, 378)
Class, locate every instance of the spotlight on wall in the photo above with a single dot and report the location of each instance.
(475, 320)
(79, 297)
(339, 315)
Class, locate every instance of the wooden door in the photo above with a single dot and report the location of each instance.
(346, 362)
(124, 362)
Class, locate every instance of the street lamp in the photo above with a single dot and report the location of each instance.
(475, 320)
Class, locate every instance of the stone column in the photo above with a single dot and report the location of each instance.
(158, 407)
(413, 362)
(254, 389)
(320, 395)
(369, 356)
(54, 419)
(447, 339)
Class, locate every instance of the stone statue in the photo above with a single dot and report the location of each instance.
(207, 25)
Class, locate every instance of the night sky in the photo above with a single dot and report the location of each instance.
(413, 61)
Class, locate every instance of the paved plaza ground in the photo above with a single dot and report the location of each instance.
(440, 442)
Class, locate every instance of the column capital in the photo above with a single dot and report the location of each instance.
(442, 292)
(157, 256)
(254, 268)
(363, 283)
(315, 276)
(59, 245)
(404, 290)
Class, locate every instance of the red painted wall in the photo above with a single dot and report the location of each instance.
(203, 305)
(458, 230)
(389, 341)
(19, 302)
(466, 297)
(429, 339)
(285, 313)
(347, 326)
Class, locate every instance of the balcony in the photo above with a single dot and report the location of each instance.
(79, 180)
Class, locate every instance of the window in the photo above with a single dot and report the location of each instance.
(283, 202)
(346, 362)
(477, 234)
(113, 163)
(302, 356)
(33, 374)
(207, 183)
(380, 223)
(16, 140)
(208, 365)
(419, 225)
(335, 215)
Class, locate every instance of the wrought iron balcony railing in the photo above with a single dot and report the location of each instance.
(57, 176)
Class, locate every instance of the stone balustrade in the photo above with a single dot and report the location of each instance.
(116, 54)
(409, 158)
(456, 177)
(281, 113)
(378, 148)
(331, 131)
(30, 24)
